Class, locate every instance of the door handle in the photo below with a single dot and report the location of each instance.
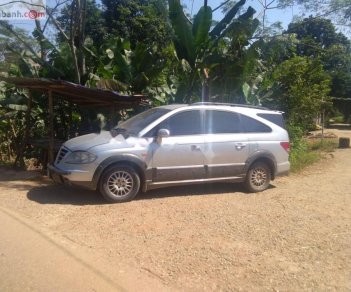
(240, 146)
(195, 148)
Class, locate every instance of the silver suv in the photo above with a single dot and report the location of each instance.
(178, 144)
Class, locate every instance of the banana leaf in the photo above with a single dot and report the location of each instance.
(184, 40)
(202, 25)
(217, 30)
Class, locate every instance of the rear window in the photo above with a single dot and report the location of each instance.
(253, 126)
(274, 118)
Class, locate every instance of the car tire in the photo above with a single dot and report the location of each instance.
(258, 177)
(119, 184)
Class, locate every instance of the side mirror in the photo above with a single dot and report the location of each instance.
(113, 133)
(163, 133)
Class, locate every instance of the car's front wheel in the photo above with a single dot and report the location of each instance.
(258, 177)
(119, 184)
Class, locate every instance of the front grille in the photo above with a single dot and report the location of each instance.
(62, 153)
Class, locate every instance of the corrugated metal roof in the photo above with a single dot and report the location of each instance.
(78, 94)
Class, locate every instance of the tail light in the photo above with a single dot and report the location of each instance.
(286, 146)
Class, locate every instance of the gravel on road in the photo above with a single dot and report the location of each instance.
(295, 236)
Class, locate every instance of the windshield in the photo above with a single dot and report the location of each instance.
(135, 124)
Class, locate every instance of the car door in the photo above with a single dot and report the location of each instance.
(180, 156)
(226, 146)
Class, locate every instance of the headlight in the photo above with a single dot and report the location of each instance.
(80, 157)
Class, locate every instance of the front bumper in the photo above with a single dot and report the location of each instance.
(58, 176)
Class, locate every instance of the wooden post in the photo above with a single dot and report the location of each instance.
(25, 141)
(70, 135)
(51, 128)
(28, 124)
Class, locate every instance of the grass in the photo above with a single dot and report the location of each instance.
(323, 145)
(309, 151)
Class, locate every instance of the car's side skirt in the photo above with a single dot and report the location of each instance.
(149, 185)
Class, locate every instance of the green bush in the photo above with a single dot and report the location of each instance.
(324, 145)
(337, 119)
(300, 156)
(306, 152)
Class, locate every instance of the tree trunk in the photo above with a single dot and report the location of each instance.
(51, 128)
(205, 92)
(205, 87)
(81, 37)
(73, 31)
(41, 40)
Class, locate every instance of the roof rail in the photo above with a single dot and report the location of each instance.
(229, 104)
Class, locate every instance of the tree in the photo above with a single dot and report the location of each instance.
(316, 35)
(11, 49)
(318, 38)
(75, 39)
(139, 21)
(38, 57)
(95, 34)
(278, 49)
(132, 71)
(203, 52)
(18, 45)
(94, 27)
(300, 88)
(339, 11)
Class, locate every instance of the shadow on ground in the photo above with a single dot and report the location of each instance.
(60, 194)
(195, 190)
(191, 190)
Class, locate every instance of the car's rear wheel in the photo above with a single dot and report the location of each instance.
(119, 184)
(258, 177)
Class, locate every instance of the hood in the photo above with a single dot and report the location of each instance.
(91, 140)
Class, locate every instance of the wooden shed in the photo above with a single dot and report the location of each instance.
(74, 93)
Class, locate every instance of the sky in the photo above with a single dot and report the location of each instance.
(285, 16)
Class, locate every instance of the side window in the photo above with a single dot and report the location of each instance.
(221, 122)
(183, 123)
(251, 125)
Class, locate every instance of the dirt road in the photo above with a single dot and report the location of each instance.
(31, 261)
(296, 236)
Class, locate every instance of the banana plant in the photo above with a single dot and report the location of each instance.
(132, 71)
(205, 53)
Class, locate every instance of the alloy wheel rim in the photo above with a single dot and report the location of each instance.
(259, 177)
(120, 183)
